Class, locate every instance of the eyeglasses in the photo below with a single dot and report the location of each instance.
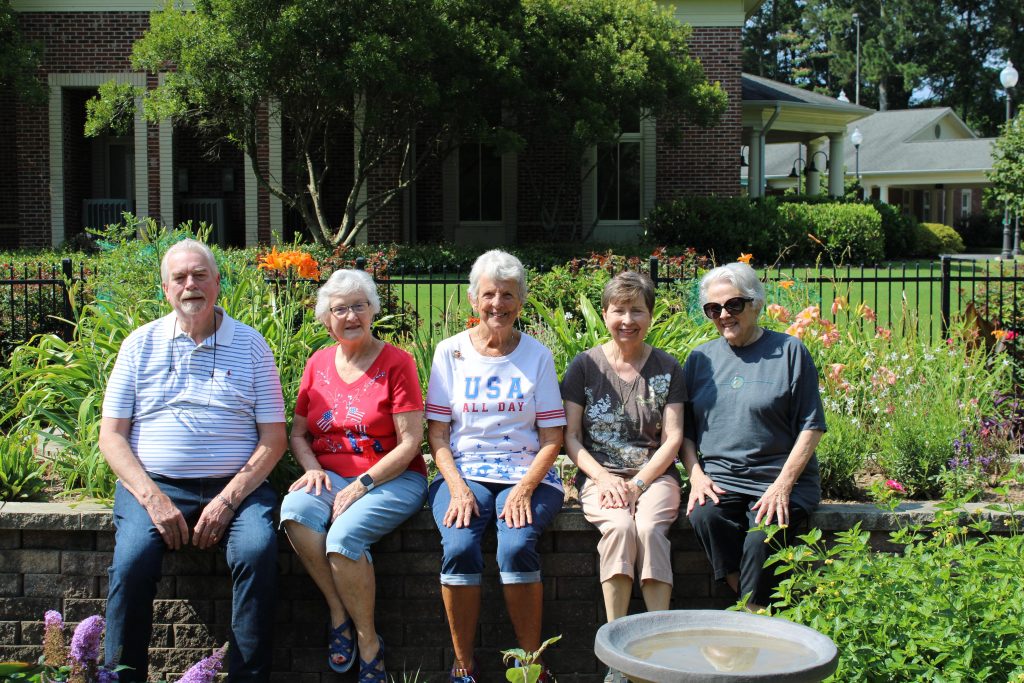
(734, 305)
(357, 308)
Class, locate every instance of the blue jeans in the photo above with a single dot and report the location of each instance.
(518, 560)
(251, 546)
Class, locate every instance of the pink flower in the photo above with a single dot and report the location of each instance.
(796, 330)
(839, 304)
(866, 312)
(894, 485)
(835, 371)
(882, 333)
(778, 312)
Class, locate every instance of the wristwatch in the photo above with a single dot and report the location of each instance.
(366, 480)
(640, 484)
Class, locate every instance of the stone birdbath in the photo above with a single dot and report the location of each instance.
(680, 646)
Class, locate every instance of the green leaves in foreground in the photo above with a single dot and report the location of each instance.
(945, 607)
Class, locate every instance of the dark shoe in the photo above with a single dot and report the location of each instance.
(373, 670)
(340, 646)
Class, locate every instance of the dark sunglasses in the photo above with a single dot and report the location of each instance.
(734, 305)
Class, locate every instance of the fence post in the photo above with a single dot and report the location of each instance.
(69, 274)
(654, 270)
(944, 303)
(360, 263)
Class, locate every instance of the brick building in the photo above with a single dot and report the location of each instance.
(54, 180)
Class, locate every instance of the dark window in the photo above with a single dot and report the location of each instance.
(618, 181)
(479, 183)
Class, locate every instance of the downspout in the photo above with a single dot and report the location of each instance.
(764, 134)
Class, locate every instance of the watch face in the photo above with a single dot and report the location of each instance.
(366, 480)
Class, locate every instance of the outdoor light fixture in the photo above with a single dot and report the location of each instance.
(799, 166)
(1008, 78)
(743, 158)
(856, 138)
(811, 168)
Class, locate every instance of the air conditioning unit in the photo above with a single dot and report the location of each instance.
(209, 211)
(99, 213)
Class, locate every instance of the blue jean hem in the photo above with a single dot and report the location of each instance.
(510, 578)
(461, 579)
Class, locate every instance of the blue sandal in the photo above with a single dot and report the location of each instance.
(340, 646)
(373, 670)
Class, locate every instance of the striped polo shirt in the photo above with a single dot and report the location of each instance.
(194, 407)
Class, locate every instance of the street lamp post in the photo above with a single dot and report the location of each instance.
(1008, 79)
(856, 87)
(797, 172)
(856, 138)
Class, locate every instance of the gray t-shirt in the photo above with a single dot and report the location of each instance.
(622, 420)
(749, 404)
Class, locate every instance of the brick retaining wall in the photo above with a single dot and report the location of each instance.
(56, 557)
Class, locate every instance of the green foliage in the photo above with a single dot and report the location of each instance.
(525, 667)
(899, 230)
(841, 455)
(21, 469)
(946, 607)
(1007, 174)
(19, 59)
(846, 232)
(935, 238)
(111, 109)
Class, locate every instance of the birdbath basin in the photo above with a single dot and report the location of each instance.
(679, 646)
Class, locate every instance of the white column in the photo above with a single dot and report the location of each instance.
(56, 130)
(252, 204)
(883, 194)
(166, 137)
(836, 165)
(275, 166)
(949, 213)
(755, 167)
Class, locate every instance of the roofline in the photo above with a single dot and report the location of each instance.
(838, 107)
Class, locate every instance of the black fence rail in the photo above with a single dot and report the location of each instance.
(36, 300)
(923, 299)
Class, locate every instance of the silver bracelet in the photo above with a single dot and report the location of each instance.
(227, 503)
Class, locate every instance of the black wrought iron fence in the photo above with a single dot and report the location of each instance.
(36, 300)
(918, 298)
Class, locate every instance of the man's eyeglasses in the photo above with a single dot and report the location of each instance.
(734, 305)
(357, 308)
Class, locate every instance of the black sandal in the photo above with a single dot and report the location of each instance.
(373, 670)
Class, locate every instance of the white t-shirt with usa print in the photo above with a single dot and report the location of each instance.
(495, 406)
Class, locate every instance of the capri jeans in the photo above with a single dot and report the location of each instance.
(728, 534)
(518, 560)
(368, 519)
(635, 536)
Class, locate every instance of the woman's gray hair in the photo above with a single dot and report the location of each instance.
(739, 275)
(188, 244)
(499, 266)
(343, 283)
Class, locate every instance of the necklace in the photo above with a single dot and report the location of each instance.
(506, 347)
(626, 389)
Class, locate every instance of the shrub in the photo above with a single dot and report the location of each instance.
(935, 238)
(21, 469)
(899, 230)
(946, 607)
(844, 232)
(980, 230)
(721, 226)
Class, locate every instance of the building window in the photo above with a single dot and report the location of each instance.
(479, 183)
(965, 203)
(618, 175)
(926, 206)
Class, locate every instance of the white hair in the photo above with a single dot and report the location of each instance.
(192, 245)
(499, 266)
(739, 275)
(343, 283)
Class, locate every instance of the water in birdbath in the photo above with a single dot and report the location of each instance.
(718, 650)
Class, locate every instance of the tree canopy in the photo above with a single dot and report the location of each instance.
(411, 78)
(1007, 173)
(940, 53)
(19, 58)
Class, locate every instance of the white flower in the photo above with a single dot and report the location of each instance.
(568, 315)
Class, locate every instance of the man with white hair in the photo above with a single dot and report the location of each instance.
(193, 423)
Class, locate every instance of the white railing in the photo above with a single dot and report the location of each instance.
(209, 211)
(99, 213)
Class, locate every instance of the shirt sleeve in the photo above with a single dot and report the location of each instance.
(119, 398)
(550, 412)
(574, 381)
(439, 393)
(302, 399)
(677, 392)
(406, 395)
(267, 385)
(810, 413)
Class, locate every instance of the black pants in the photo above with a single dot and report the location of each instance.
(724, 531)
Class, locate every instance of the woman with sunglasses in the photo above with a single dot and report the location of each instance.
(356, 432)
(624, 413)
(756, 419)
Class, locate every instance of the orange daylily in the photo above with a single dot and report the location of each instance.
(779, 312)
(280, 261)
(840, 304)
(786, 284)
(745, 258)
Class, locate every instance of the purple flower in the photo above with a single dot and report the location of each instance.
(106, 676)
(85, 644)
(53, 619)
(206, 669)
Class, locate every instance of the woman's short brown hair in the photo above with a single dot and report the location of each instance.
(627, 286)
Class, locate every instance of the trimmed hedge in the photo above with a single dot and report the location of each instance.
(726, 226)
(935, 238)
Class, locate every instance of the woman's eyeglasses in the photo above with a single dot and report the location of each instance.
(734, 305)
(358, 309)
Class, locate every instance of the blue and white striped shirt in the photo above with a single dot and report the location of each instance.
(193, 411)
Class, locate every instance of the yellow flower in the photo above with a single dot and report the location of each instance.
(745, 258)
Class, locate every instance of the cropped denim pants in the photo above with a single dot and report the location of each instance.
(462, 563)
(250, 543)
